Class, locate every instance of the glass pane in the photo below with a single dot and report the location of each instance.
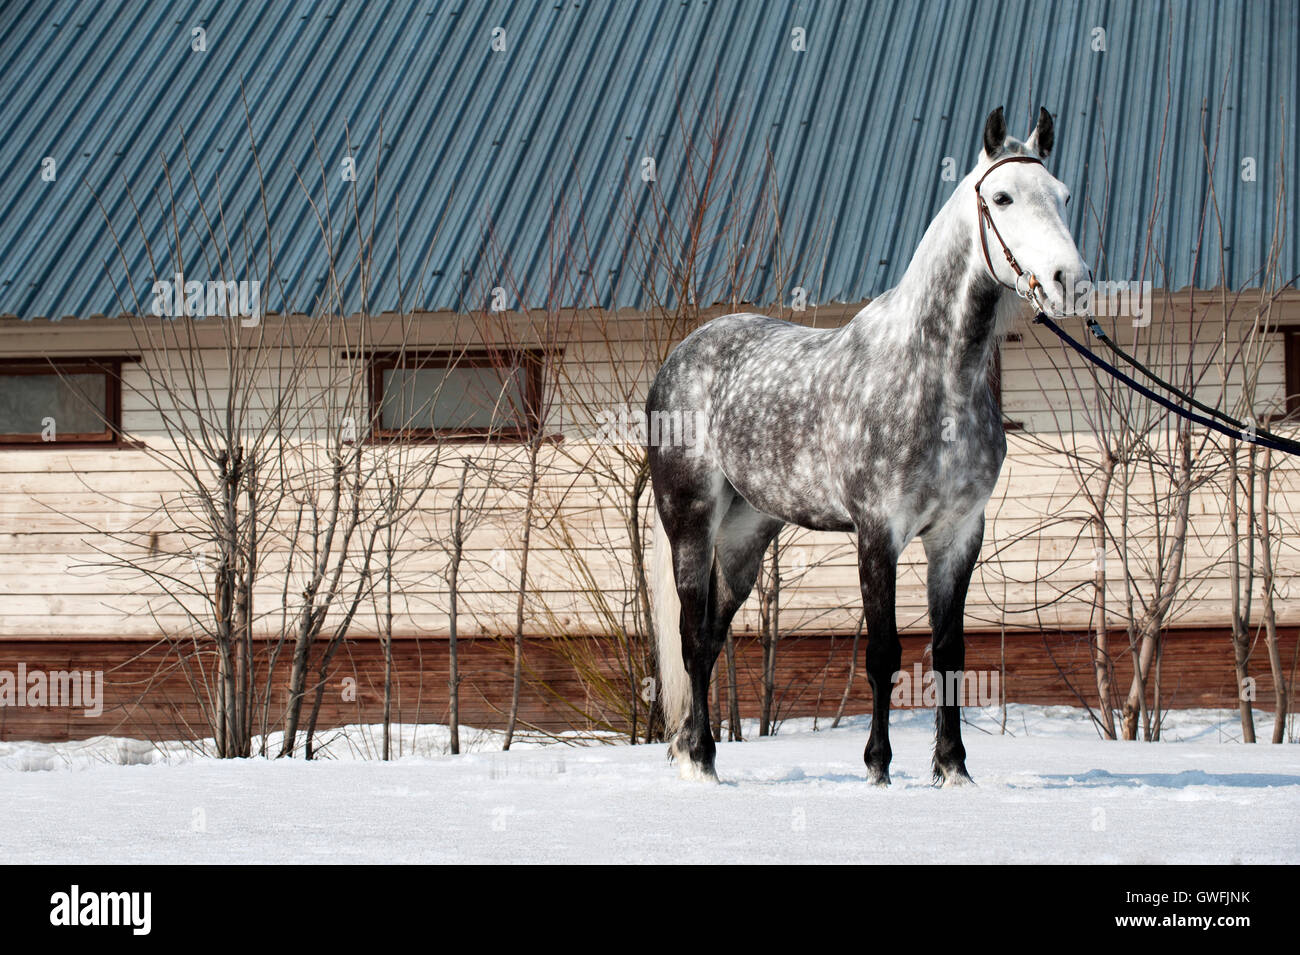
(77, 403)
(453, 399)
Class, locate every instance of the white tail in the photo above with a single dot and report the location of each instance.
(674, 682)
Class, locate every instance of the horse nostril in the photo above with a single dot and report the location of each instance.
(1059, 278)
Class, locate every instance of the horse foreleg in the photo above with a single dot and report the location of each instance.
(877, 566)
(951, 558)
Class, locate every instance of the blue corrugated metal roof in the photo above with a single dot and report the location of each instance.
(857, 126)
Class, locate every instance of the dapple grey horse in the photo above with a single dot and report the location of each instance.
(885, 427)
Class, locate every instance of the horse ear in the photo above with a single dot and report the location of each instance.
(995, 133)
(1044, 134)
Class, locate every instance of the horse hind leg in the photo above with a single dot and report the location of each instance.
(689, 513)
(736, 553)
(741, 543)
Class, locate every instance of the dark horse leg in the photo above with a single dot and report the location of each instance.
(951, 557)
(877, 567)
(691, 515)
(739, 542)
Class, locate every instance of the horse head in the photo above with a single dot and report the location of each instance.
(1018, 213)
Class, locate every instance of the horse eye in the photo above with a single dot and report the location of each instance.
(1002, 199)
(1067, 199)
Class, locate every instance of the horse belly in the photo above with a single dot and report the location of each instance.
(792, 495)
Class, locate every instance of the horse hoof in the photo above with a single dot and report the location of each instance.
(952, 778)
(878, 778)
(690, 770)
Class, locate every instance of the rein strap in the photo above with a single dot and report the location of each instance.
(1242, 432)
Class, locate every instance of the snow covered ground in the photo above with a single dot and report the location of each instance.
(1049, 791)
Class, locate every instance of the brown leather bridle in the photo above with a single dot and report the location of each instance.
(1035, 287)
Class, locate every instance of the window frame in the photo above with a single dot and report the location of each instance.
(1289, 336)
(1290, 375)
(530, 360)
(110, 366)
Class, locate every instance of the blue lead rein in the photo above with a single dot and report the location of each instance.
(1256, 435)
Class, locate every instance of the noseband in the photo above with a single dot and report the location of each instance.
(1034, 290)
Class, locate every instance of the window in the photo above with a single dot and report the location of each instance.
(1283, 404)
(465, 396)
(1291, 351)
(60, 401)
(995, 383)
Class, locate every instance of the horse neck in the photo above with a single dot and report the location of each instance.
(946, 306)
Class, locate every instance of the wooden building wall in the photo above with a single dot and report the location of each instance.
(58, 588)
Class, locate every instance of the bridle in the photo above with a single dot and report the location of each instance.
(1033, 291)
(1213, 418)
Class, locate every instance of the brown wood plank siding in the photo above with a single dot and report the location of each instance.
(147, 695)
